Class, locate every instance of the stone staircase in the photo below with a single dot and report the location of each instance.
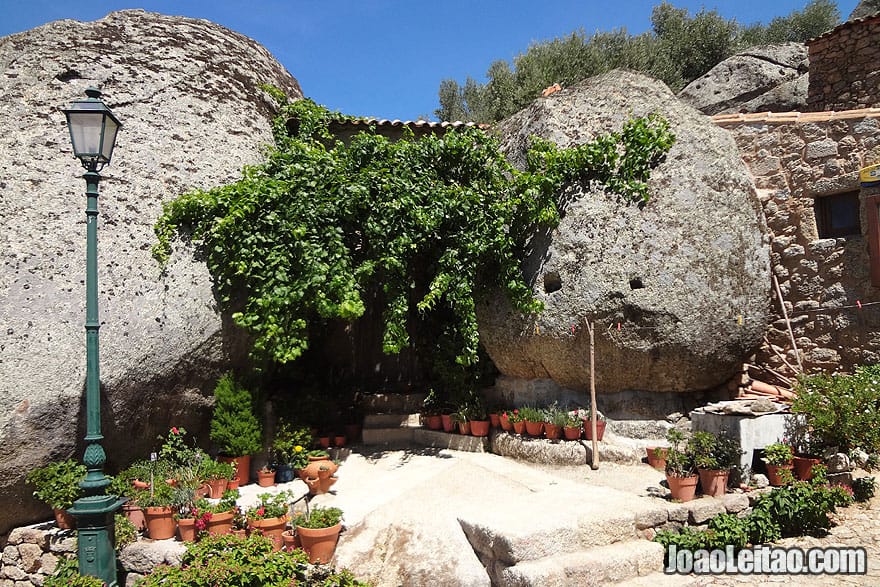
(393, 420)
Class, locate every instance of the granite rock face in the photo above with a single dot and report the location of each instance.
(187, 93)
(678, 290)
(768, 78)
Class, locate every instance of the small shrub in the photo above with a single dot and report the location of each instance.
(57, 484)
(125, 532)
(842, 410)
(230, 560)
(235, 428)
(863, 488)
(67, 575)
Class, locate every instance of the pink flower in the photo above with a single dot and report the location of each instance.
(174, 430)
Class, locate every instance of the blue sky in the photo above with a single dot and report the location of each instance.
(385, 58)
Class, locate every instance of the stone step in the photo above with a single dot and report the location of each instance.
(438, 439)
(392, 403)
(391, 421)
(602, 565)
(388, 437)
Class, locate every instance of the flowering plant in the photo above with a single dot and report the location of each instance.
(587, 414)
(778, 454)
(573, 419)
(513, 415)
(270, 506)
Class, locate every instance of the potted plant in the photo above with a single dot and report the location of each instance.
(318, 533)
(158, 513)
(681, 471)
(778, 457)
(587, 417)
(57, 485)
(266, 476)
(123, 485)
(432, 405)
(714, 457)
(477, 416)
(217, 475)
(269, 516)
(235, 428)
(534, 419)
(657, 456)
(517, 421)
(572, 428)
(222, 513)
(505, 422)
(554, 420)
(806, 446)
(289, 450)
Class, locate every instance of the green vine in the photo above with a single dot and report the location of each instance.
(304, 237)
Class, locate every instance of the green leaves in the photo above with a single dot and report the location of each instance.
(303, 238)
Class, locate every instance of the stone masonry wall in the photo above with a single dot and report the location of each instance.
(845, 67)
(32, 553)
(795, 158)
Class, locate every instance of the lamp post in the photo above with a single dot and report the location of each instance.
(93, 131)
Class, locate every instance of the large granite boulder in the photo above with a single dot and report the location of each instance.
(768, 78)
(187, 93)
(678, 290)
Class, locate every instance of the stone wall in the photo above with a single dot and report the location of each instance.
(845, 67)
(32, 553)
(795, 158)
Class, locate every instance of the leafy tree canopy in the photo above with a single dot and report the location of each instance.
(679, 49)
(322, 226)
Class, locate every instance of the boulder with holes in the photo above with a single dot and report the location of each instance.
(678, 289)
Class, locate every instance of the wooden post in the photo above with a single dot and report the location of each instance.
(593, 412)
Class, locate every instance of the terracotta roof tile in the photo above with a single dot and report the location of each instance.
(365, 122)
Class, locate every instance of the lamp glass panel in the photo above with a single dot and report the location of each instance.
(85, 132)
(109, 139)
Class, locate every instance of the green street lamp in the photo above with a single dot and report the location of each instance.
(93, 131)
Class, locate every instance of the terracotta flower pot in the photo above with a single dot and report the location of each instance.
(434, 422)
(480, 427)
(242, 467)
(324, 441)
(779, 475)
(265, 478)
(186, 529)
(519, 427)
(506, 424)
(446, 421)
(495, 420)
(464, 427)
(239, 532)
(657, 456)
(63, 519)
(135, 515)
(803, 467)
(682, 488)
(552, 431)
(290, 540)
(339, 440)
(319, 543)
(160, 522)
(233, 484)
(218, 486)
(314, 467)
(271, 528)
(714, 481)
(534, 428)
(572, 432)
(600, 429)
(220, 523)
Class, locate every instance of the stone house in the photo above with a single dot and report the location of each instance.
(823, 217)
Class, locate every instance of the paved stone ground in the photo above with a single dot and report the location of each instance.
(857, 526)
